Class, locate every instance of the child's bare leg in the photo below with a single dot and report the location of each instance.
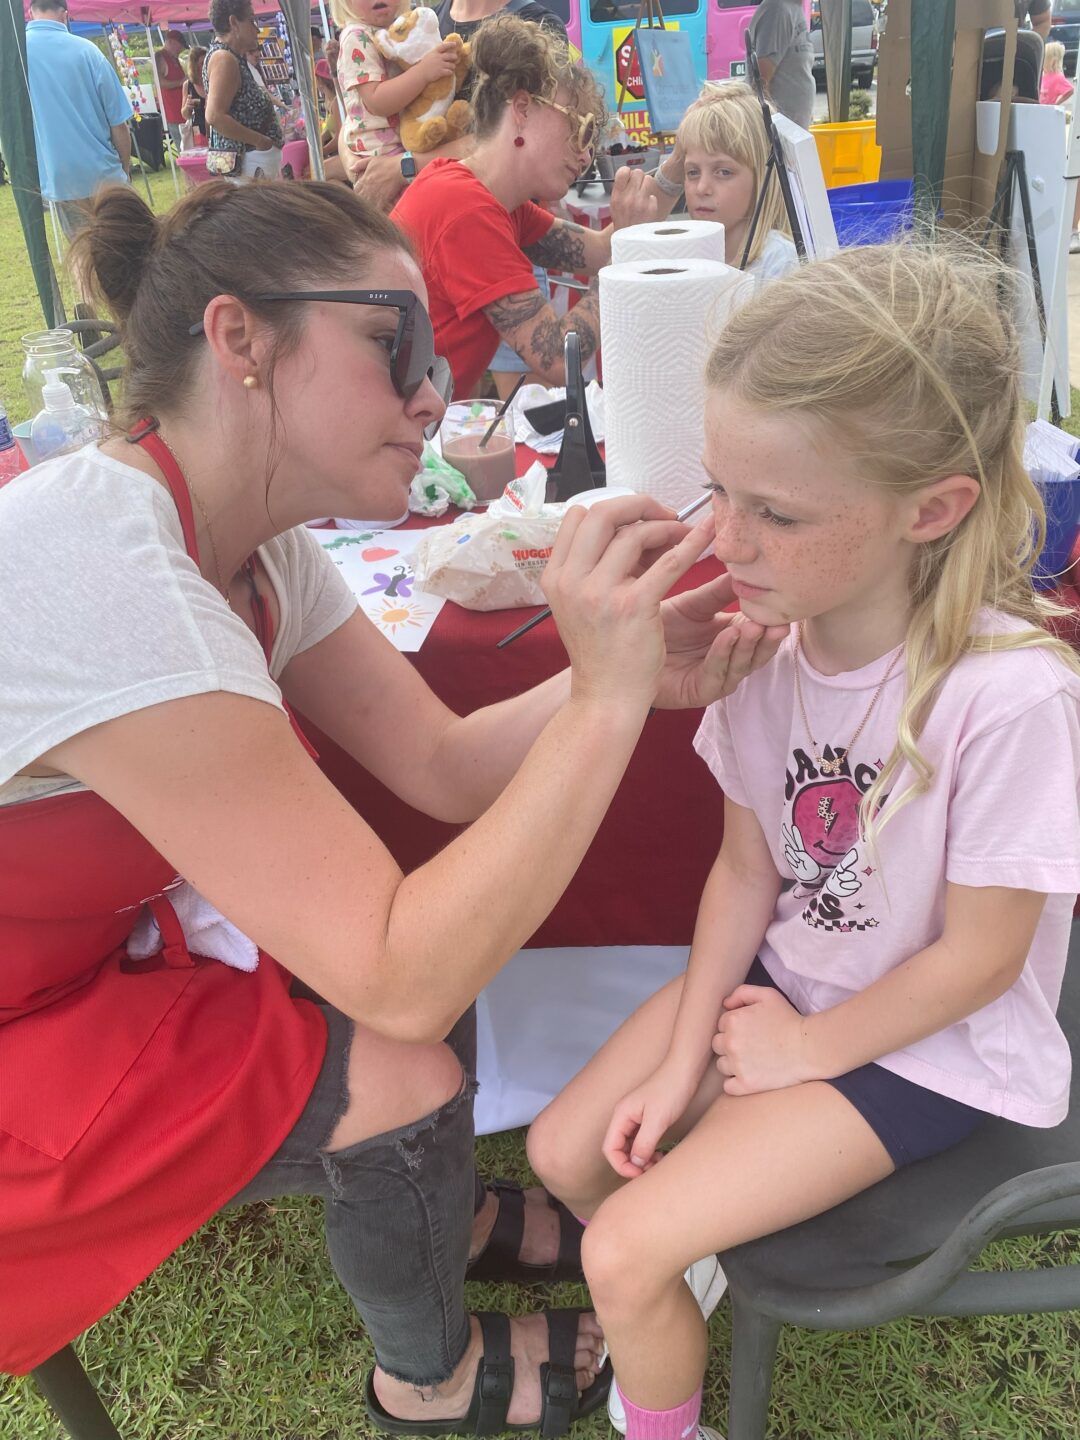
(564, 1141)
(751, 1165)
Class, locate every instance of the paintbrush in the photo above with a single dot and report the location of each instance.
(502, 411)
(684, 514)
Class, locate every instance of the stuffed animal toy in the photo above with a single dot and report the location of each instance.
(434, 116)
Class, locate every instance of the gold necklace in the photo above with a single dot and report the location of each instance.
(222, 588)
(833, 767)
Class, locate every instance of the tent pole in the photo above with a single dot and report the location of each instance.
(327, 35)
(17, 138)
(298, 25)
(58, 241)
(160, 94)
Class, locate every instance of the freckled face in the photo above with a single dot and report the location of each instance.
(801, 534)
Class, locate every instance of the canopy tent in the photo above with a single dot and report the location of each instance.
(20, 155)
(16, 114)
(125, 12)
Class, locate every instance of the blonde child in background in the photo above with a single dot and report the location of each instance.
(720, 155)
(881, 942)
(373, 96)
(1054, 88)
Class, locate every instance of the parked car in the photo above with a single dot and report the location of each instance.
(1065, 26)
(864, 42)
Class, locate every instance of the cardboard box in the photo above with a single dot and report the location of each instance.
(968, 178)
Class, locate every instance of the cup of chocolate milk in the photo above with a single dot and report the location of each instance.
(488, 470)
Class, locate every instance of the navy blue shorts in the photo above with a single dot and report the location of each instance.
(909, 1120)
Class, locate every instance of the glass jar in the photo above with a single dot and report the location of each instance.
(56, 350)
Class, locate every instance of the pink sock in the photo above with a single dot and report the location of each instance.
(675, 1424)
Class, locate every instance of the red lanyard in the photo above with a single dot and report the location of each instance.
(145, 434)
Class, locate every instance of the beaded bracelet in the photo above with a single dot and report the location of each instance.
(668, 187)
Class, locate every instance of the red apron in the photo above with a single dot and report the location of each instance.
(136, 1099)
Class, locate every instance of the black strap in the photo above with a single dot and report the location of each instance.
(558, 1377)
(568, 1264)
(494, 1378)
(504, 1242)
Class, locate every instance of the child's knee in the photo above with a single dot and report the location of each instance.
(623, 1271)
(550, 1153)
(540, 1147)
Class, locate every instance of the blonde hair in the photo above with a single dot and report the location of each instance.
(1054, 57)
(509, 55)
(726, 119)
(907, 356)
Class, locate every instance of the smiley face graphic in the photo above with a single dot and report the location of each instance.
(826, 813)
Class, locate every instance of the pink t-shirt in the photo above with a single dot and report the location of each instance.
(1003, 809)
(1053, 87)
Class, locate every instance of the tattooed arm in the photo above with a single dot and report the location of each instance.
(572, 249)
(531, 326)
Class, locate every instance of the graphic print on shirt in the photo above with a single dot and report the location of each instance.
(820, 841)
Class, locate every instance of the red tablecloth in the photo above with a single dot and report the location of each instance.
(641, 880)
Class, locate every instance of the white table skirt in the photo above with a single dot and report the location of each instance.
(548, 1012)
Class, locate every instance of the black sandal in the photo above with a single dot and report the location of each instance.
(499, 1259)
(560, 1402)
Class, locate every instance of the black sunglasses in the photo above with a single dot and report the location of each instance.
(412, 355)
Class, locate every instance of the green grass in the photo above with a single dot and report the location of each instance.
(244, 1332)
(20, 309)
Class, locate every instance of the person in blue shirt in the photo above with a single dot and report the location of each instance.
(80, 115)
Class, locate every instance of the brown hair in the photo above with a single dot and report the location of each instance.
(157, 275)
(510, 54)
(196, 56)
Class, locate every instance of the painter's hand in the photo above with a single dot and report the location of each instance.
(710, 652)
(633, 199)
(609, 571)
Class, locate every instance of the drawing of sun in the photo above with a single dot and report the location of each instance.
(393, 616)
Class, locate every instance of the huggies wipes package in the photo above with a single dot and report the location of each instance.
(494, 560)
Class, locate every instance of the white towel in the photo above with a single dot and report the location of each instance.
(206, 932)
(531, 395)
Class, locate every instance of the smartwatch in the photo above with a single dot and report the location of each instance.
(408, 165)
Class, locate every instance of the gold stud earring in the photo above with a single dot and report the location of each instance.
(251, 382)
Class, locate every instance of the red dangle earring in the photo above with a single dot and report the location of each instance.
(519, 141)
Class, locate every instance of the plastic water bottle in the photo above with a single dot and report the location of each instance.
(7, 439)
(62, 426)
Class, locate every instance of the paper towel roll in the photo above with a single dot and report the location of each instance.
(675, 239)
(658, 323)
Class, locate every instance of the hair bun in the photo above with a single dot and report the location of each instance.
(113, 249)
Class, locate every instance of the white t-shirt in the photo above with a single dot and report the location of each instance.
(104, 613)
(1003, 809)
(778, 256)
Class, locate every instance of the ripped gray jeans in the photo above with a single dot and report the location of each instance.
(398, 1214)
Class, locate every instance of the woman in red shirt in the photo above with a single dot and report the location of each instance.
(476, 227)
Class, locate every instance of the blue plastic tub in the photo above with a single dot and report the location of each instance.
(869, 214)
(1062, 501)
